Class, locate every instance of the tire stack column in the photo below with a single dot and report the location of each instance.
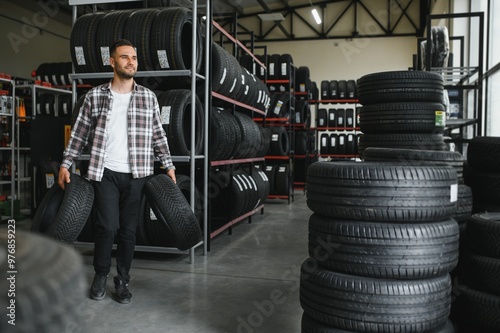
(381, 244)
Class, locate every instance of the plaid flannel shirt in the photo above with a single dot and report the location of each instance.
(146, 137)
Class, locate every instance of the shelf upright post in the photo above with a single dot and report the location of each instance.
(208, 101)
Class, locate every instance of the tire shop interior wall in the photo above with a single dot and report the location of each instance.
(30, 38)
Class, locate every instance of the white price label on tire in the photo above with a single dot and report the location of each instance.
(152, 215)
(275, 137)
(163, 58)
(49, 180)
(165, 115)
(454, 193)
(80, 55)
(105, 55)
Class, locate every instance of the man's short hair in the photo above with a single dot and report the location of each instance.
(118, 43)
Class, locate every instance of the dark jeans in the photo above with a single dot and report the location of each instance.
(117, 202)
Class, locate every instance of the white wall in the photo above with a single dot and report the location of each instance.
(343, 60)
(23, 47)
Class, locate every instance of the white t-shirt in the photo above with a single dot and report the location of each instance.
(117, 153)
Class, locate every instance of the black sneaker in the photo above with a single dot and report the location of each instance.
(98, 288)
(123, 295)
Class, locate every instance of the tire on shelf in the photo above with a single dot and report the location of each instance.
(285, 67)
(385, 192)
(420, 141)
(175, 108)
(51, 288)
(266, 141)
(270, 171)
(362, 304)
(464, 204)
(138, 31)
(110, 29)
(83, 43)
(300, 143)
(280, 145)
(273, 67)
(303, 79)
(225, 136)
(402, 118)
(342, 89)
(325, 89)
(171, 40)
(251, 139)
(282, 179)
(62, 214)
(333, 90)
(384, 249)
(400, 86)
(483, 153)
(172, 209)
(483, 234)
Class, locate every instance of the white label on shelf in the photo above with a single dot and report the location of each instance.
(321, 122)
(334, 92)
(105, 55)
(332, 116)
(302, 87)
(341, 140)
(271, 69)
(324, 143)
(152, 215)
(47, 108)
(165, 115)
(65, 108)
(163, 58)
(223, 78)
(454, 193)
(333, 141)
(349, 121)
(262, 71)
(297, 117)
(275, 137)
(350, 137)
(38, 110)
(269, 167)
(281, 169)
(49, 180)
(340, 121)
(80, 56)
(284, 71)
(278, 106)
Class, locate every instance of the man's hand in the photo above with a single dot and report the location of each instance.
(171, 174)
(63, 177)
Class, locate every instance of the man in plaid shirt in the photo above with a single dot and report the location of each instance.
(120, 121)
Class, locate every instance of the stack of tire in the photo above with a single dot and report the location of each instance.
(381, 244)
(236, 192)
(232, 80)
(477, 304)
(176, 117)
(431, 157)
(279, 179)
(162, 38)
(401, 109)
(56, 73)
(338, 89)
(483, 176)
(236, 136)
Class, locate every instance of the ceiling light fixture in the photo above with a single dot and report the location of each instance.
(315, 14)
(271, 17)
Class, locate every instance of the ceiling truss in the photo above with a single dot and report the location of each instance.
(327, 30)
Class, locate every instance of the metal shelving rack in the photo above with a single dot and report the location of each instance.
(227, 225)
(464, 78)
(12, 148)
(185, 159)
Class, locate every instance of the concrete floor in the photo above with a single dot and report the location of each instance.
(248, 282)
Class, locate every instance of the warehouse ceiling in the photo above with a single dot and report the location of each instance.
(402, 18)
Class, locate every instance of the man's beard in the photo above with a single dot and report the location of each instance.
(125, 75)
